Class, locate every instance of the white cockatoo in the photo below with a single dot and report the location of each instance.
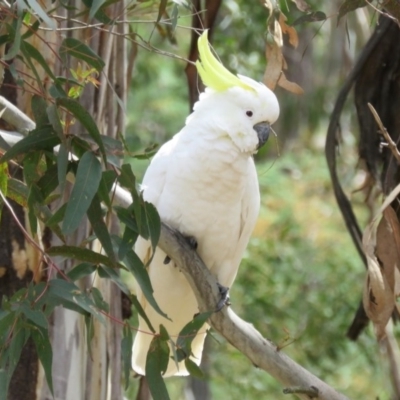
(204, 183)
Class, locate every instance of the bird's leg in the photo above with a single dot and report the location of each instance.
(191, 240)
(224, 301)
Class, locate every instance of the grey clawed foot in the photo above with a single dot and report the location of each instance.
(224, 300)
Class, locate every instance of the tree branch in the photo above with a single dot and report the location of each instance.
(242, 335)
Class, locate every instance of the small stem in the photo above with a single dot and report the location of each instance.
(390, 143)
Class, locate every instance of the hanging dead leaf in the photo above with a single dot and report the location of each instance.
(388, 244)
(378, 298)
(289, 86)
(274, 58)
(288, 30)
(302, 5)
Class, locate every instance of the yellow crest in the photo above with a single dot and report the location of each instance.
(213, 74)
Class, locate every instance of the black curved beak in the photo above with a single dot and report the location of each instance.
(262, 129)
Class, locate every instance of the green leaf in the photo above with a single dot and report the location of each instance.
(18, 192)
(141, 312)
(48, 182)
(107, 180)
(84, 117)
(16, 39)
(126, 352)
(3, 384)
(18, 341)
(108, 272)
(3, 183)
(86, 184)
(43, 347)
(156, 364)
(127, 177)
(96, 4)
(62, 166)
(94, 214)
(193, 369)
(71, 293)
(81, 270)
(189, 332)
(42, 14)
(54, 119)
(75, 48)
(30, 51)
(153, 223)
(78, 253)
(38, 139)
(36, 316)
(137, 268)
(99, 300)
(128, 240)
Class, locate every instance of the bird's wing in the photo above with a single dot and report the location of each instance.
(250, 208)
(171, 289)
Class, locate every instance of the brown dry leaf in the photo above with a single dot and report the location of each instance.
(288, 30)
(388, 246)
(302, 5)
(289, 86)
(378, 298)
(274, 58)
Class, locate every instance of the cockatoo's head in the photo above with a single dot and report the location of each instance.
(237, 106)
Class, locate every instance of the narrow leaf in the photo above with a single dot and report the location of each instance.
(75, 48)
(43, 347)
(190, 330)
(38, 139)
(156, 364)
(30, 51)
(96, 4)
(78, 253)
(42, 14)
(94, 214)
(141, 312)
(87, 182)
(84, 117)
(137, 268)
(126, 352)
(81, 270)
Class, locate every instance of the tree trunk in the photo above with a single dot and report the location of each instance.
(78, 372)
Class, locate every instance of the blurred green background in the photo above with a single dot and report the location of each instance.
(301, 279)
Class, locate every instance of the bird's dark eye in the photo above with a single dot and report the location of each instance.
(249, 113)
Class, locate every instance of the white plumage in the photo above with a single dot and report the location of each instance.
(203, 182)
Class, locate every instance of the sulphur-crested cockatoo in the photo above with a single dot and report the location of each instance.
(203, 182)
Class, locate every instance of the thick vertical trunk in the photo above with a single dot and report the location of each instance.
(78, 372)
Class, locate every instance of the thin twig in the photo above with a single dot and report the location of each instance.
(391, 144)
